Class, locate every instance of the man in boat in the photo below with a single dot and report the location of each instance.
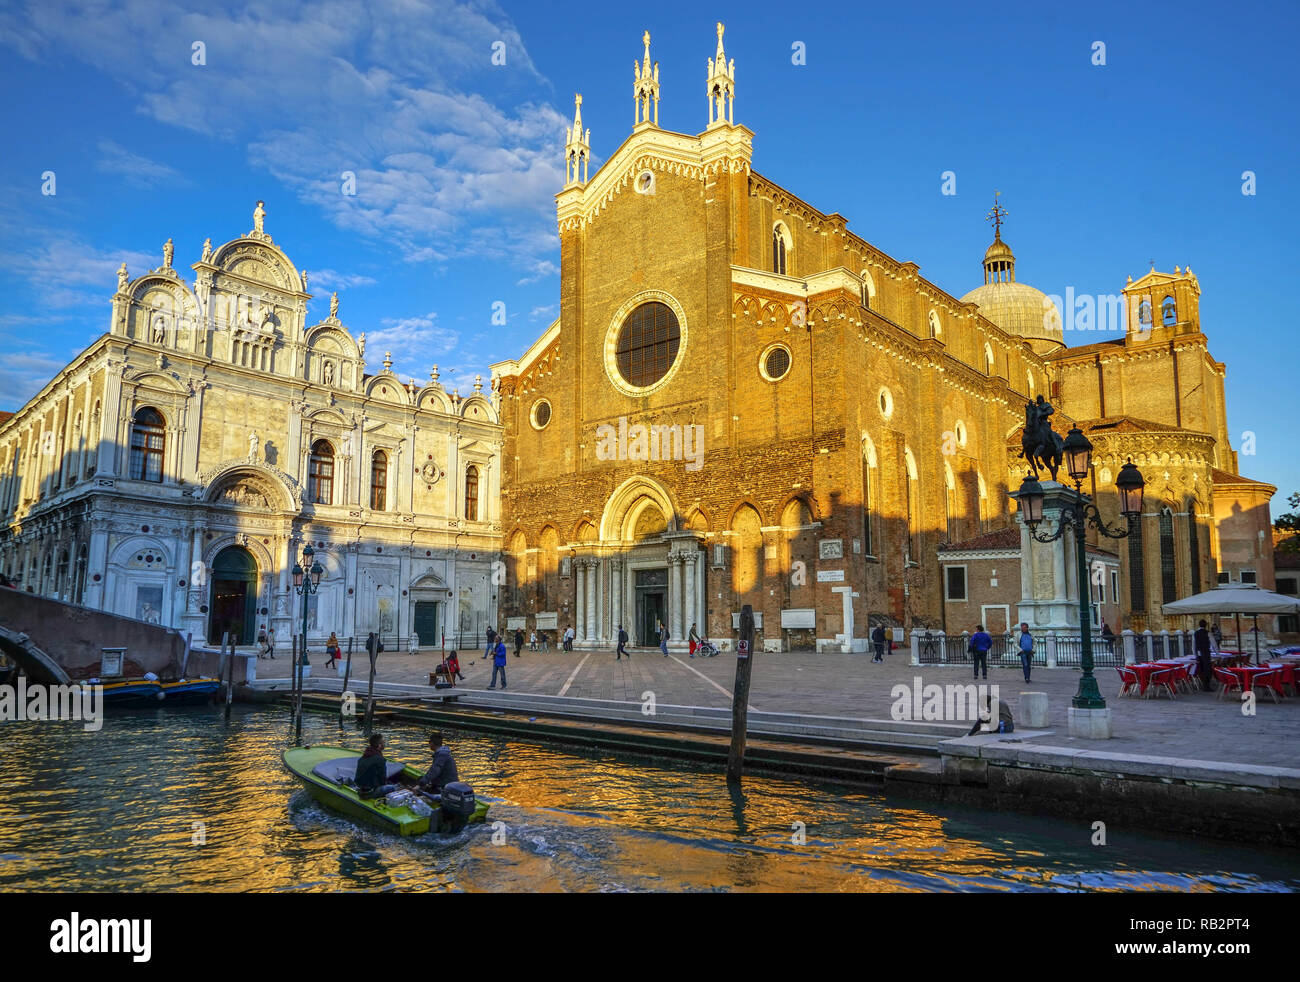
(443, 769)
(372, 770)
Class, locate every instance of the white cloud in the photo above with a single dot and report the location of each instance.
(328, 279)
(24, 373)
(545, 312)
(452, 155)
(137, 171)
(65, 271)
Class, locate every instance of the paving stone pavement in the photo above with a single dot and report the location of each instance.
(1196, 726)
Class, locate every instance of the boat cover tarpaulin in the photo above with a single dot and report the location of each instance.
(342, 770)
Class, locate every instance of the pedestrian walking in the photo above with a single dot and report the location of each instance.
(491, 647)
(546, 641)
(568, 638)
(331, 650)
(622, 641)
(519, 640)
(878, 642)
(980, 643)
(532, 640)
(1026, 650)
(499, 664)
(261, 639)
(694, 640)
(663, 639)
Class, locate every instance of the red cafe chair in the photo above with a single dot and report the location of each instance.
(1129, 681)
(1228, 681)
(1162, 679)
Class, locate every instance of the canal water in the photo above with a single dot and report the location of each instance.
(177, 800)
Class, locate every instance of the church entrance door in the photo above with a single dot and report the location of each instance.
(426, 624)
(651, 605)
(234, 596)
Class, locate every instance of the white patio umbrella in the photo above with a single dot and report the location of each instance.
(1236, 599)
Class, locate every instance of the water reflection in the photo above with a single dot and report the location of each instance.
(176, 800)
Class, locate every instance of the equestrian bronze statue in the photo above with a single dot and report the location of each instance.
(1039, 445)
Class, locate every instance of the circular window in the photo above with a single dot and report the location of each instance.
(886, 403)
(960, 431)
(643, 343)
(775, 364)
(541, 414)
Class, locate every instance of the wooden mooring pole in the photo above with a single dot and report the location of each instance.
(373, 648)
(223, 664)
(347, 674)
(740, 695)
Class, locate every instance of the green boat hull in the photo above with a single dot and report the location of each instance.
(398, 820)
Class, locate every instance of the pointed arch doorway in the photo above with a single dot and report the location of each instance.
(234, 596)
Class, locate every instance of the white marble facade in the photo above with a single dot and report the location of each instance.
(174, 470)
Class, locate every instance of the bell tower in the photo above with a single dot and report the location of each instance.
(721, 87)
(645, 87)
(1163, 304)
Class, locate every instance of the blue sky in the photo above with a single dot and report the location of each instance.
(1101, 168)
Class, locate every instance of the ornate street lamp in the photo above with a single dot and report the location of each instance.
(1077, 454)
(305, 584)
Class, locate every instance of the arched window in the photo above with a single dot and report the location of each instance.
(778, 249)
(913, 497)
(79, 585)
(1168, 311)
(868, 517)
(1168, 569)
(1144, 312)
(953, 531)
(147, 435)
(988, 359)
(61, 574)
(868, 289)
(378, 480)
(471, 493)
(1137, 591)
(1194, 546)
(320, 473)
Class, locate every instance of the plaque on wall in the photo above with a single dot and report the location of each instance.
(549, 621)
(831, 549)
(516, 623)
(830, 576)
(799, 618)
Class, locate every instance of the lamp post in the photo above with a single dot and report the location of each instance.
(1077, 516)
(305, 584)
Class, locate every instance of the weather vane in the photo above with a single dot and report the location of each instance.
(996, 214)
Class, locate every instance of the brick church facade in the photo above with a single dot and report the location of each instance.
(743, 402)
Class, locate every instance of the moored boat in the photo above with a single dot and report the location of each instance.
(327, 773)
(190, 692)
(131, 692)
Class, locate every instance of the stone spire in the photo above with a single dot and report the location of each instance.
(577, 148)
(645, 87)
(721, 86)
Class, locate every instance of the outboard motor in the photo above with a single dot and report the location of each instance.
(458, 806)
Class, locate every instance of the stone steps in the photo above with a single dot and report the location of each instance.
(840, 730)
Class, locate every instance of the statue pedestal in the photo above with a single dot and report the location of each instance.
(1089, 724)
(1049, 581)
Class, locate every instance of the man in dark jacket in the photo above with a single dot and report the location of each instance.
(443, 769)
(1204, 666)
(622, 640)
(878, 640)
(519, 640)
(372, 770)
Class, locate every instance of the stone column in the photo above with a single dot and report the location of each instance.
(580, 607)
(589, 633)
(688, 565)
(96, 563)
(675, 596)
(615, 595)
(106, 465)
